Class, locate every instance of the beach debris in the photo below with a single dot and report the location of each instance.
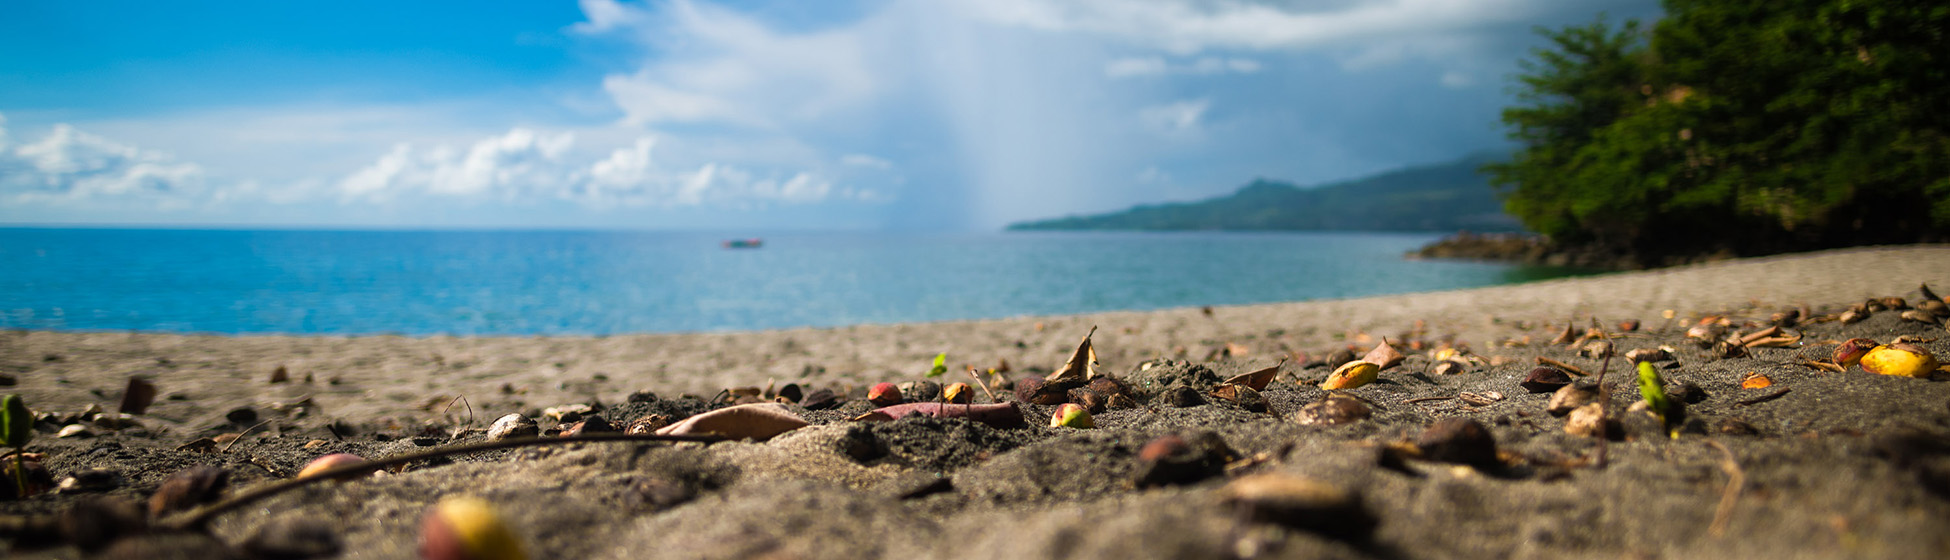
(1596, 349)
(75, 431)
(822, 399)
(1071, 415)
(1786, 318)
(1935, 307)
(647, 424)
(1181, 396)
(940, 366)
(1851, 351)
(1756, 380)
(1568, 336)
(1900, 359)
(1082, 365)
(1301, 503)
(568, 413)
(188, 488)
(958, 393)
(100, 526)
(1545, 379)
(467, 528)
(1337, 358)
(1891, 303)
(919, 391)
(1350, 375)
(591, 424)
(1172, 460)
(1110, 387)
(1089, 399)
(293, 538)
(1708, 330)
(1484, 398)
(1763, 397)
(137, 396)
(999, 415)
(242, 416)
(1332, 410)
(1383, 355)
(25, 475)
(1587, 420)
(280, 375)
(1734, 427)
(1570, 397)
(1652, 389)
(1036, 390)
(791, 393)
(513, 425)
(1241, 395)
(1458, 440)
(89, 480)
(1257, 379)
(1921, 316)
(759, 421)
(884, 394)
(1854, 315)
(1686, 392)
(333, 461)
(1565, 367)
(1628, 325)
(1449, 367)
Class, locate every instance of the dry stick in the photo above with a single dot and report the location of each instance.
(1568, 368)
(1736, 481)
(240, 437)
(201, 516)
(1426, 399)
(462, 399)
(1762, 398)
(1604, 405)
(983, 385)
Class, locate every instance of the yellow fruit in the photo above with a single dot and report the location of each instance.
(467, 528)
(1907, 360)
(1851, 352)
(329, 462)
(1350, 375)
(1073, 416)
(958, 393)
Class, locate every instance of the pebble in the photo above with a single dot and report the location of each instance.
(512, 426)
(1181, 396)
(1459, 440)
(1301, 503)
(1545, 380)
(90, 480)
(1333, 410)
(74, 431)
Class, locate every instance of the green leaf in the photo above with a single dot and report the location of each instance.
(17, 423)
(940, 365)
(1654, 390)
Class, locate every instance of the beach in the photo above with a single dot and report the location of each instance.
(1839, 464)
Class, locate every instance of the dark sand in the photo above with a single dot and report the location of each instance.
(1843, 465)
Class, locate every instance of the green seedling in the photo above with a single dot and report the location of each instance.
(1653, 389)
(17, 428)
(940, 365)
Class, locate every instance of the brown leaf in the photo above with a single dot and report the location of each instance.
(1082, 365)
(758, 421)
(1257, 379)
(138, 396)
(1000, 415)
(1383, 355)
(280, 375)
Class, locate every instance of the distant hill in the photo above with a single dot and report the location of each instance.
(1443, 197)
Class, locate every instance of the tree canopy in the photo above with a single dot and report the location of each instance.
(1736, 127)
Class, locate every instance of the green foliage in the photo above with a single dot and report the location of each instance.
(1444, 197)
(1737, 126)
(1653, 389)
(940, 365)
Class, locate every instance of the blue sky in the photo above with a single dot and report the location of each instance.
(737, 115)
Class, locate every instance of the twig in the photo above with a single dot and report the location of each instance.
(1604, 406)
(335, 432)
(1736, 481)
(201, 516)
(240, 437)
(983, 385)
(1568, 368)
(1762, 398)
(462, 399)
(1426, 399)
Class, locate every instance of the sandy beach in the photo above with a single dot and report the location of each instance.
(1845, 464)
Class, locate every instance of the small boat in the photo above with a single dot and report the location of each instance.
(752, 243)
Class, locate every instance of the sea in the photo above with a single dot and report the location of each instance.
(420, 283)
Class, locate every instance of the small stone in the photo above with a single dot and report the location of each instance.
(647, 424)
(1109, 386)
(1569, 398)
(591, 424)
(280, 375)
(512, 426)
(1333, 410)
(74, 431)
(241, 415)
(1587, 420)
(1648, 355)
(1089, 399)
(1449, 367)
(1301, 503)
(288, 538)
(89, 480)
(921, 391)
(188, 488)
(822, 399)
(1459, 440)
(1596, 349)
(1545, 380)
(1181, 396)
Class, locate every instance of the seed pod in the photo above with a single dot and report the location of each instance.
(1921, 316)
(1449, 367)
(188, 488)
(1458, 440)
(330, 462)
(1544, 380)
(884, 394)
(1071, 415)
(1648, 355)
(1901, 359)
(513, 425)
(1854, 315)
(1351, 375)
(1852, 350)
(1587, 420)
(467, 528)
(1570, 397)
(1893, 303)
(1936, 308)
(958, 393)
(1333, 410)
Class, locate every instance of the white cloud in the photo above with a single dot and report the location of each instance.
(1190, 26)
(1177, 117)
(1457, 80)
(69, 164)
(1153, 66)
(864, 160)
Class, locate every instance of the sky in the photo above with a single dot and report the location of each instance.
(902, 115)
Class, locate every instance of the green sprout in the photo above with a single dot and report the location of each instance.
(940, 365)
(16, 429)
(1654, 390)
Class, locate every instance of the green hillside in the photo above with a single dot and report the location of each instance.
(1444, 197)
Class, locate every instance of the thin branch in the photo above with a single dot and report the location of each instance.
(1736, 481)
(240, 437)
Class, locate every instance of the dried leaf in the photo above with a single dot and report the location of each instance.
(1082, 365)
(1000, 415)
(758, 421)
(1756, 381)
(1822, 365)
(1257, 379)
(1383, 355)
(1352, 374)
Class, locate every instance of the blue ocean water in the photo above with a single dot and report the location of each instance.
(596, 282)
